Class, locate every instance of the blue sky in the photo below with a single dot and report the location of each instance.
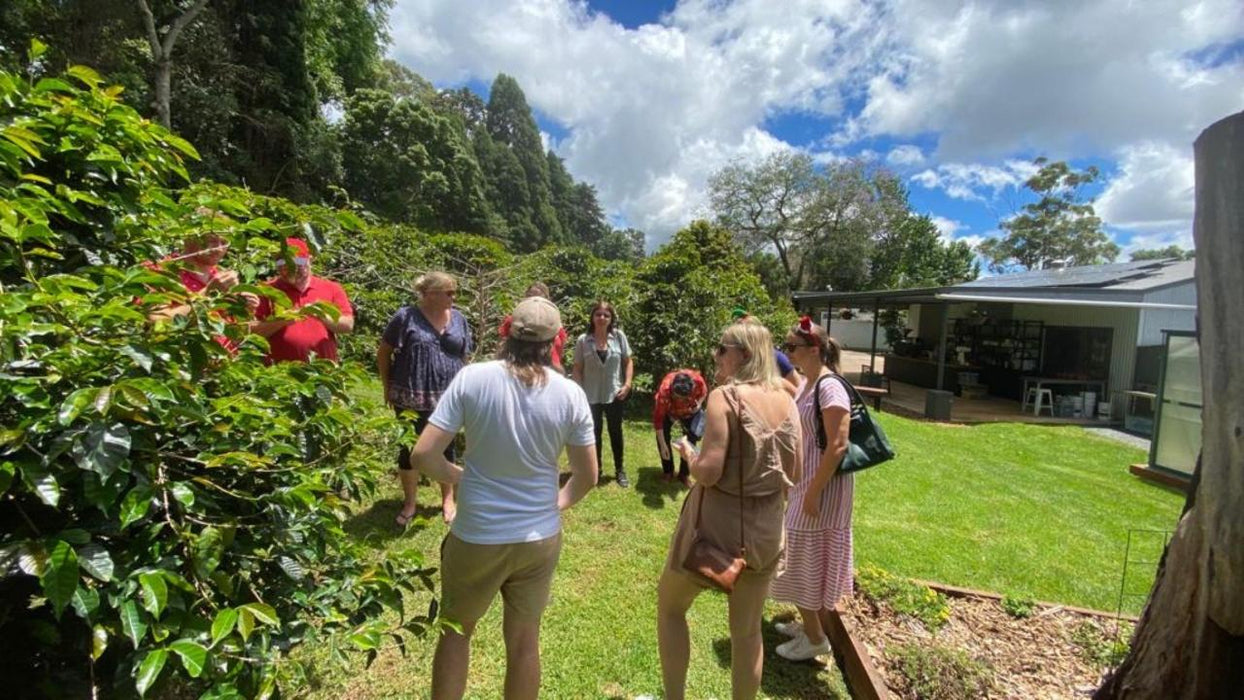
(646, 100)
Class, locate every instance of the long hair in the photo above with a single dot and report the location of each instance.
(613, 316)
(526, 360)
(830, 349)
(759, 367)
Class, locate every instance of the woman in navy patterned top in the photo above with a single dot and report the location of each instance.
(423, 347)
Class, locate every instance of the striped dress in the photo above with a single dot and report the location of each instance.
(818, 565)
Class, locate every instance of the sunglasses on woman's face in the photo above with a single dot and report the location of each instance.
(723, 347)
(790, 347)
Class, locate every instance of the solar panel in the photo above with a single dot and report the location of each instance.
(1083, 276)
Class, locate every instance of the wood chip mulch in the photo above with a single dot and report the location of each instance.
(1033, 657)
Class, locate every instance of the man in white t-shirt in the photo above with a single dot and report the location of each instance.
(518, 416)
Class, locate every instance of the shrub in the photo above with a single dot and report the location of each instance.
(170, 507)
(904, 596)
(1096, 647)
(941, 673)
(1019, 607)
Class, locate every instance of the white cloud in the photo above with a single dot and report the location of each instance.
(905, 155)
(946, 227)
(651, 112)
(1153, 190)
(967, 181)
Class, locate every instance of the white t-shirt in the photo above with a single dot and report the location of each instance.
(514, 436)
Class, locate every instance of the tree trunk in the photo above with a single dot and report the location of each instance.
(1190, 639)
(163, 91)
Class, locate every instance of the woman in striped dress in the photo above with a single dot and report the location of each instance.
(818, 520)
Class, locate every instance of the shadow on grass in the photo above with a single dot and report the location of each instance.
(782, 678)
(376, 523)
(655, 491)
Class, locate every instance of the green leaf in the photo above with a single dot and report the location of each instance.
(246, 623)
(208, 549)
(149, 669)
(75, 403)
(7, 470)
(222, 626)
(263, 613)
(60, 580)
(99, 642)
(136, 504)
(183, 494)
(291, 568)
(85, 602)
(193, 655)
(96, 561)
(132, 622)
(102, 448)
(154, 592)
(33, 559)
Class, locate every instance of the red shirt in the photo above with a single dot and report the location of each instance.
(680, 407)
(296, 342)
(559, 340)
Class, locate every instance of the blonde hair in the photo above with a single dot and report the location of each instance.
(435, 280)
(758, 367)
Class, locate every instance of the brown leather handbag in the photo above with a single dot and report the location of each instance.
(708, 560)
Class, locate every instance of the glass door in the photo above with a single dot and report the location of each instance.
(1177, 432)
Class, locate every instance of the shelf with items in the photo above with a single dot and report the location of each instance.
(992, 344)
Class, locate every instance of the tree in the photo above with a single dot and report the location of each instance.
(162, 39)
(819, 223)
(1060, 226)
(624, 244)
(1170, 252)
(532, 217)
(1190, 638)
(911, 253)
(410, 164)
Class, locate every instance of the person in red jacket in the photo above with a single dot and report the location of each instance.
(679, 398)
(295, 341)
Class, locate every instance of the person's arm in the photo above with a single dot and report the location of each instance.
(345, 313)
(659, 411)
(837, 422)
(628, 366)
(384, 361)
(343, 324)
(429, 456)
(577, 372)
(583, 473)
(559, 347)
(706, 467)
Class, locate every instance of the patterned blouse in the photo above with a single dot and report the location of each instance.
(424, 361)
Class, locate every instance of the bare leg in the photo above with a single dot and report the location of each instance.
(746, 642)
(812, 626)
(675, 593)
(449, 666)
(522, 658)
(410, 492)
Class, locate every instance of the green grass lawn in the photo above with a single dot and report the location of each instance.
(1011, 508)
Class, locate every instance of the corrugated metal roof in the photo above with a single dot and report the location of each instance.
(1142, 274)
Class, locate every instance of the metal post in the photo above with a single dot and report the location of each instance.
(941, 348)
(872, 359)
(829, 317)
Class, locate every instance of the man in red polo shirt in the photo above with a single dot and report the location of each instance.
(680, 397)
(295, 341)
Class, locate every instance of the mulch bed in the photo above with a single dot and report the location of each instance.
(1032, 657)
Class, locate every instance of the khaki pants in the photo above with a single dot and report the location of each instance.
(472, 575)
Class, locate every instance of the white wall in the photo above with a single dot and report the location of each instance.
(857, 334)
(1154, 321)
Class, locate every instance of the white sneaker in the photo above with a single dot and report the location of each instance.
(800, 649)
(792, 629)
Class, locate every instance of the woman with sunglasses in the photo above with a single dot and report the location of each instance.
(423, 347)
(751, 441)
(604, 368)
(818, 523)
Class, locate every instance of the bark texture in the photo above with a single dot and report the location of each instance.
(1190, 639)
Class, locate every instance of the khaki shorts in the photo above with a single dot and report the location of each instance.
(472, 574)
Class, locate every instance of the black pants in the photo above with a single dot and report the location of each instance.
(612, 413)
(692, 427)
(419, 423)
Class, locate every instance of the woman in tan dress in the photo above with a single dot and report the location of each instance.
(752, 426)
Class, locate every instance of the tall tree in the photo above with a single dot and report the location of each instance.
(162, 38)
(1171, 252)
(409, 163)
(533, 221)
(1060, 226)
(625, 244)
(819, 223)
(911, 253)
(1189, 642)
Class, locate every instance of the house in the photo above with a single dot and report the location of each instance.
(1094, 328)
